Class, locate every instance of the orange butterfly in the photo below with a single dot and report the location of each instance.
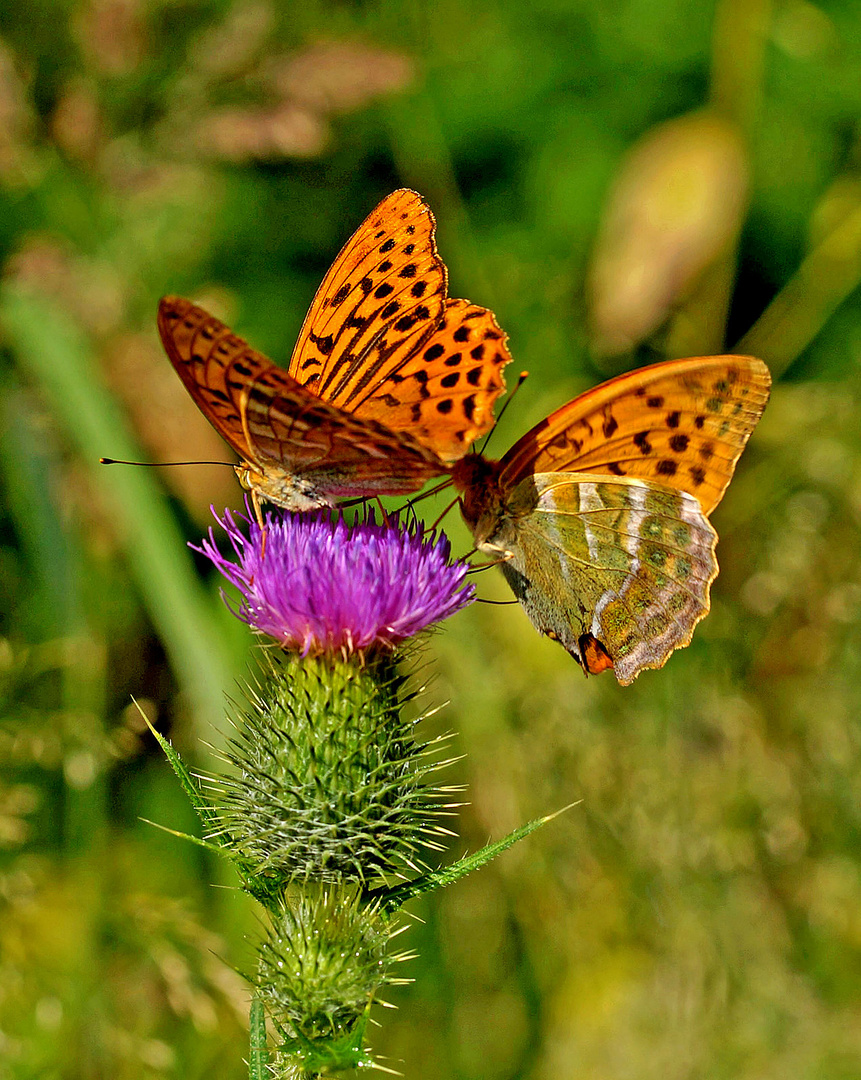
(599, 514)
(388, 385)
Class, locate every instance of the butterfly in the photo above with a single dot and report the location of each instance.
(388, 385)
(599, 514)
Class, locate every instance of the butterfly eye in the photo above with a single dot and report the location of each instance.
(246, 478)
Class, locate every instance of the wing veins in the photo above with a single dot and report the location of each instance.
(615, 570)
(634, 536)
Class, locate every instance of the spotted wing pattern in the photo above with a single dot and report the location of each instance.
(380, 339)
(444, 393)
(682, 424)
(298, 450)
(384, 294)
(388, 385)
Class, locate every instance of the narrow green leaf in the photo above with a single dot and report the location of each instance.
(826, 277)
(189, 784)
(258, 1059)
(394, 898)
(187, 836)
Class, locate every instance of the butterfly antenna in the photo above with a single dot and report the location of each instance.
(427, 494)
(160, 464)
(524, 375)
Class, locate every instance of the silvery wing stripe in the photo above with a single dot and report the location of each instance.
(652, 651)
(630, 540)
(590, 500)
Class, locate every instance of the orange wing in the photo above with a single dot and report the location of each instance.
(281, 429)
(444, 394)
(384, 294)
(681, 424)
(380, 339)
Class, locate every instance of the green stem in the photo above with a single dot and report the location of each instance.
(740, 36)
(739, 39)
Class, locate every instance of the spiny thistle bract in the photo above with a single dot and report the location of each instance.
(328, 782)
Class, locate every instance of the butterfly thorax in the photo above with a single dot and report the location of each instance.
(282, 488)
(482, 498)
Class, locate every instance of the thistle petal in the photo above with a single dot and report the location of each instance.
(321, 585)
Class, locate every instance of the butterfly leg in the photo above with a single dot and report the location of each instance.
(427, 494)
(379, 503)
(258, 513)
(487, 565)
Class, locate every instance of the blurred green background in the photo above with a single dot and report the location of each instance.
(621, 181)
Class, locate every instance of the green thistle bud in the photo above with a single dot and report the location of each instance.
(329, 782)
(320, 968)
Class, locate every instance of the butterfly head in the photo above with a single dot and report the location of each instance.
(477, 480)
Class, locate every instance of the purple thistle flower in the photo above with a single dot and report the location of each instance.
(324, 586)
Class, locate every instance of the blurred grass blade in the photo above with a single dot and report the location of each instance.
(804, 305)
(54, 353)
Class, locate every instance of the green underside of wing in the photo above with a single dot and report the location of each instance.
(628, 562)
